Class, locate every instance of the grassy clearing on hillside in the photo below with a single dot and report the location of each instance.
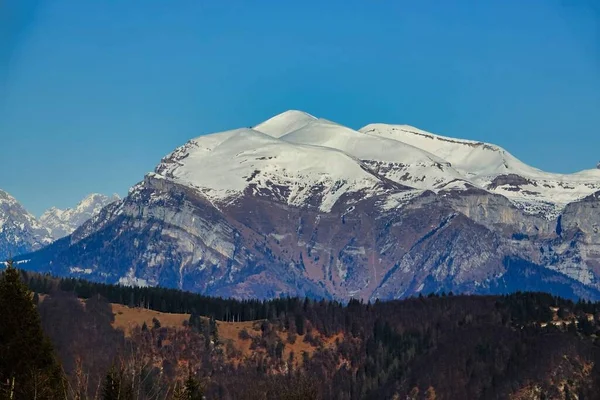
(127, 319)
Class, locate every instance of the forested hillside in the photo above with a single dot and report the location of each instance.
(519, 346)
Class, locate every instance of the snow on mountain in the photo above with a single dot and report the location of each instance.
(493, 168)
(293, 151)
(20, 232)
(392, 159)
(469, 157)
(226, 165)
(61, 223)
(303, 206)
(284, 123)
(299, 157)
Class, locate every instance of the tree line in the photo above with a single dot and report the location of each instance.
(440, 346)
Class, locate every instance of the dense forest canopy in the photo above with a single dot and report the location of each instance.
(523, 345)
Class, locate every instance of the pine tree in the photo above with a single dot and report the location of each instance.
(214, 331)
(28, 366)
(195, 322)
(112, 385)
(115, 386)
(193, 389)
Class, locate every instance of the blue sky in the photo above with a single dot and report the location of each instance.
(94, 93)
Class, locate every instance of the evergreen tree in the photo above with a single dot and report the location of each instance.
(195, 322)
(214, 331)
(115, 386)
(112, 385)
(28, 367)
(193, 389)
(190, 390)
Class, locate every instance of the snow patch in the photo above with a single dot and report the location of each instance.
(86, 271)
(131, 280)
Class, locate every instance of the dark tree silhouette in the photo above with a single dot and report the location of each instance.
(28, 367)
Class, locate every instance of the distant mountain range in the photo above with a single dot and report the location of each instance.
(21, 232)
(300, 205)
(61, 223)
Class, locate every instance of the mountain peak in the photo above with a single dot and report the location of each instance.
(284, 123)
(61, 223)
(20, 232)
(303, 206)
(225, 165)
(92, 198)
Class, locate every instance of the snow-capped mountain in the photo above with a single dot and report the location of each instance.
(61, 223)
(227, 165)
(391, 159)
(399, 153)
(305, 206)
(494, 169)
(20, 232)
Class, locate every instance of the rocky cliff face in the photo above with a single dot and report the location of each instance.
(302, 206)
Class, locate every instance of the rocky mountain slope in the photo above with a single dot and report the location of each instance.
(304, 206)
(61, 223)
(20, 232)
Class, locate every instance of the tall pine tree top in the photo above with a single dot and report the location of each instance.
(27, 361)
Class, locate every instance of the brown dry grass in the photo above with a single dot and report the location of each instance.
(127, 319)
(231, 331)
